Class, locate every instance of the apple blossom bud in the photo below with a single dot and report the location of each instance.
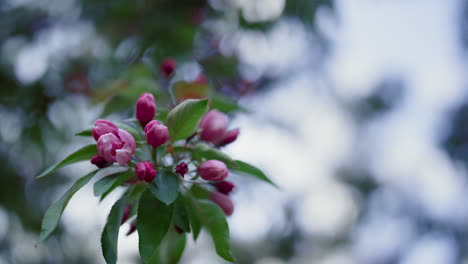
(213, 170)
(145, 108)
(178, 229)
(156, 133)
(168, 66)
(118, 148)
(213, 126)
(181, 168)
(229, 137)
(145, 171)
(99, 161)
(126, 213)
(223, 201)
(133, 227)
(102, 127)
(224, 187)
(201, 79)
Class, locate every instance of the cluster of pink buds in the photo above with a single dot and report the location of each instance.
(117, 145)
(216, 171)
(172, 169)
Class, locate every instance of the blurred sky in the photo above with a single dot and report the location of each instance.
(415, 42)
(304, 131)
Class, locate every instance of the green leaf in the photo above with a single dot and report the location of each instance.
(193, 215)
(246, 168)
(114, 180)
(184, 89)
(172, 247)
(153, 221)
(53, 214)
(84, 153)
(215, 221)
(135, 191)
(161, 114)
(202, 150)
(183, 120)
(85, 133)
(226, 104)
(165, 186)
(110, 234)
(130, 128)
(180, 217)
(199, 192)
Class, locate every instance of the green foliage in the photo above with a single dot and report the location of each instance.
(184, 90)
(82, 154)
(153, 221)
(193, 215)
(226, 105)
(53, 214)
(215, 222)
(245, 168)
(180, 217)
(203, 150)
(110, 182)
(110, 234)
(165, 186)
(183, 119)
(172, 248)
(85, 133)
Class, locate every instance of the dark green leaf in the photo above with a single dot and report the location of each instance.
(183, 120)
(202, 150)
(84, 153)
(180, 217)
(85, 133)
(136, 191)
(53, 214)
(172, 247)
(214, 220)
(161, 114)
(199, 192)
(193, 215)
(245, 168)
(226, 105)
(110, 234)
(114, 180)
(153, 222)
(165, 186)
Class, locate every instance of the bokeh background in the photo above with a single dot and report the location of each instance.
(357, 109)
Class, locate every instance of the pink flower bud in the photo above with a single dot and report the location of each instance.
(156, 133)
(213, 170)
(201, 79)
(99, 161)
(145, 108)
(168, 66)
(223, 201)
(126, 213)
(133, 227)
(229, 137)
(213, 126)
(118, 148)
(102, 127)
(182, 168)
(145, 171)
(225, 187)
(178, 229)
